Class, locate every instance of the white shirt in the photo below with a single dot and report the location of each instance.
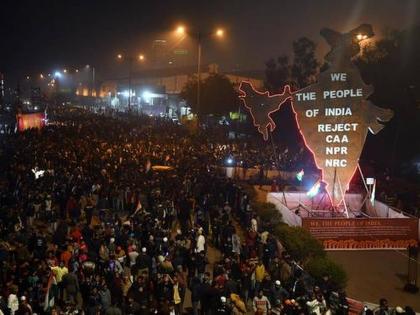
(201, 241)
(133, 256)
(13, 303)
(254, 225)
(315, 306)
(48, 205)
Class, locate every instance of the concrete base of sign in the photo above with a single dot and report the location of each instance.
(354, 226)
(299, 204)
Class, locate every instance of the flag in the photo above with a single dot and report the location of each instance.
(148, 165)
(314, 190)
(372, 196)
(299, 175)
(51, 293)
(138, 208)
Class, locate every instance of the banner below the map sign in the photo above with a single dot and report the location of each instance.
(367, 233)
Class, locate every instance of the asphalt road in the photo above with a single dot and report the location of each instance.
(378, 274)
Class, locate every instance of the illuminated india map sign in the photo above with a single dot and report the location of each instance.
(333, 114)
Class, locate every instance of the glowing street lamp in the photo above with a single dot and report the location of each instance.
(299, 175)
(361, 37)
(65, 70)
(130, 60)
(180, 30)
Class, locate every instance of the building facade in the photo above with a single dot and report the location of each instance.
(156, 91)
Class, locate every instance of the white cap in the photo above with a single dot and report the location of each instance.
(112, 240)
(223, 299)
(143, 249)
(277, 282)
(399, 310)
(165, 239)
(23, 298)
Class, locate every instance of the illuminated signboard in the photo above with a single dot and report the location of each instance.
(333, 114)
(29, 121)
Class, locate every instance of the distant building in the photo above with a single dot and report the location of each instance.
(160, 54)
(156, 91)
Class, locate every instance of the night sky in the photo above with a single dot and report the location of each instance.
(40, 36)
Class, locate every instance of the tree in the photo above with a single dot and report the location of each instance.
(299, 74)
(391, 65)
(305, 65)
(217, 95)
(277, 74)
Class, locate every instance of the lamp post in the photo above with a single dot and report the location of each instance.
(130, 60)
(199, 36)
(57, 77)
(91, 79)
(198, 69)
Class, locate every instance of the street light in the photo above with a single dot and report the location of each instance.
(65, 70)
(130, 60)
(220, 32)
(180, 30)
(361, 37)
(199, 36)
(91, 80)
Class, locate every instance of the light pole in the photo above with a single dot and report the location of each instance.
(57, 77)
(130, 60)
(199, 36)
(198, 69)
(92, 80)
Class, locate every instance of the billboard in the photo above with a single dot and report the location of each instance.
(364, 233)
(29, 121)
(334, 114)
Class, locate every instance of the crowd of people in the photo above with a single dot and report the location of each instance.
(105, 215)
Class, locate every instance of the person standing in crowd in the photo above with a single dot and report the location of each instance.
(201, 241)
(24, 308)
(383, 308)
(261, 304)
(13, 301)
